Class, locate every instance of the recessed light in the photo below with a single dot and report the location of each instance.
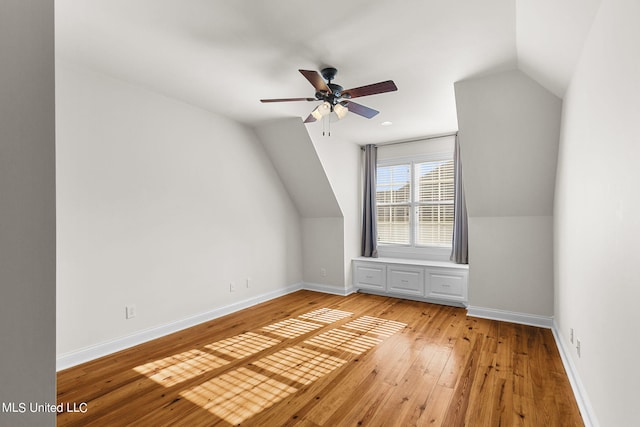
(386, 123)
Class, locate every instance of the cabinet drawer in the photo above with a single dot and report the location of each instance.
(447, 284)
(370, 276)
(405, 280)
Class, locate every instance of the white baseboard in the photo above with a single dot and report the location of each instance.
(327, 289)
(511, 316)
(586, 410)
(74, 358)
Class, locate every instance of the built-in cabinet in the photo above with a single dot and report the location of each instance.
(435, 281)
(405, 280)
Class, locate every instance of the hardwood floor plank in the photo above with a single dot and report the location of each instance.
(411, 393)
(310, 359)
(436, 407)
(465, 357)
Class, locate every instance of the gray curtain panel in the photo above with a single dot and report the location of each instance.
(369, 219)
(460, 243)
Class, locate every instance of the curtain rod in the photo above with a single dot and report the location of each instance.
(407, 141)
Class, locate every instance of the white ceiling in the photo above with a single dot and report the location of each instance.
(550, 35)
(226, 55)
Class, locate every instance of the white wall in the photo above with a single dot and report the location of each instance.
(160, 205)
(27, 210)
(510, 263)
(341, 161)
(597, 214)
(509, 130)
(323, 251)
(303, 174)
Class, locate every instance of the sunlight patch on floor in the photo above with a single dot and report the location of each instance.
(326, 315)
(376, 325)
(300, 364)
(180, 367)
(338, 339)
(291, 328)
(243, 345)
(241, 393)
(238, 395)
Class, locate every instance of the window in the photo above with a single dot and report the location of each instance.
(415, 202)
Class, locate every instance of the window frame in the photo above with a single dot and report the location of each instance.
(413, 250)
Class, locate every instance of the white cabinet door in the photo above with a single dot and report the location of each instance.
(405, 280)
(446, 284)
(370, 276)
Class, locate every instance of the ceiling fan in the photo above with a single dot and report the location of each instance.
(335, 98)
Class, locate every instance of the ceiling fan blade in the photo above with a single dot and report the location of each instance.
(316, 80)
(382, 87)
(359, 109)
(287, 99)
(310, 119)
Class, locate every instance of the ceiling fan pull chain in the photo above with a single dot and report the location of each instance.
(326, 125)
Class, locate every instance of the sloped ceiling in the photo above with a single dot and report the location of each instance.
(550, 35)
(290, 149)
(225, 55)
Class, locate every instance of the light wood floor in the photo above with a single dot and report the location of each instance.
(312, 359)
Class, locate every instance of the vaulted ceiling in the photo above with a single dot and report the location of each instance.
(226, 55)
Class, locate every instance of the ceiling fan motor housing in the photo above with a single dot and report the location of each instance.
(333, 97)
(336, 93)
(329, 73)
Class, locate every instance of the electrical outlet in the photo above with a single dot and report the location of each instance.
(232, 287)
(571, 335)
(578, 347)
(323, 272)
(248, 282)
(130, 312)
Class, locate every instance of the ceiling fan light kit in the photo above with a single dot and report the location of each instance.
(340, 111)
(321, 111)
(335, 99)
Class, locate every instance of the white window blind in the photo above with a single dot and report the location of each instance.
(393, 197)
(415, 203)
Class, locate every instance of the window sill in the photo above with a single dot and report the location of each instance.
(414, 262)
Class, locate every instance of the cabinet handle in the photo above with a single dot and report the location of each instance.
(369, 277)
